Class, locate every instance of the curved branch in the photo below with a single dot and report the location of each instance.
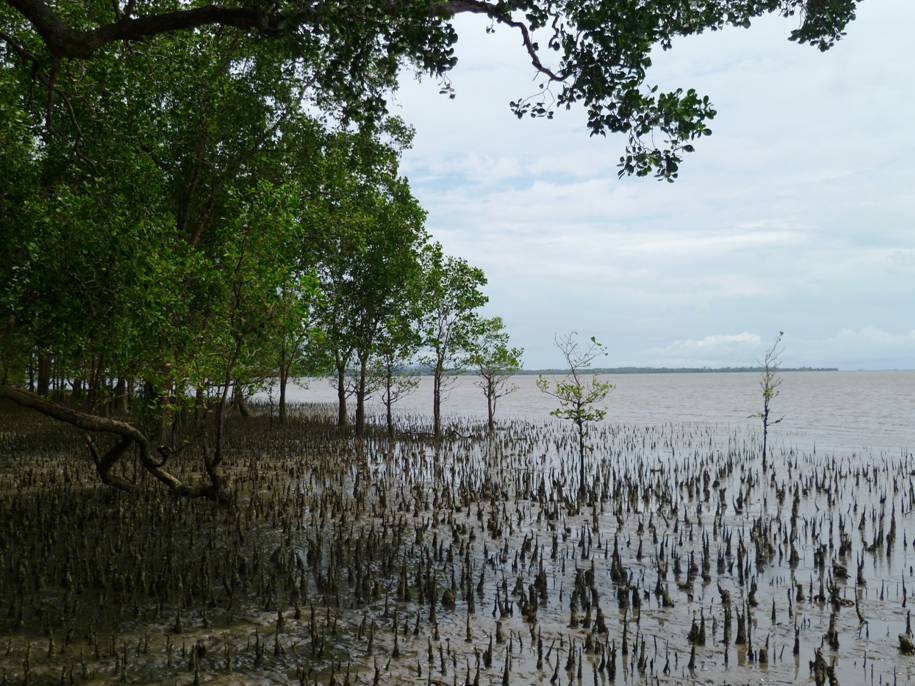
(479, 7)
(81, 420)
(128, 434)
(65, 41)
(104, 463)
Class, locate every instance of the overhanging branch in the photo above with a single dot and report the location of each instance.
(65, 41)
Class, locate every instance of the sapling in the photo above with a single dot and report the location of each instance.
(770, 382)
(577, 395)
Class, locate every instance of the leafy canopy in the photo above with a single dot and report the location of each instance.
(589, 53)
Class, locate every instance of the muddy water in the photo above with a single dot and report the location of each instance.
(841, 412)
(478, 560)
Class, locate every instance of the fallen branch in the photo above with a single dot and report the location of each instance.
(129, 435)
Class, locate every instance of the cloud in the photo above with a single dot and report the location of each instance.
(867, 347)
(718, 350)
(863, 348)
(797, 214)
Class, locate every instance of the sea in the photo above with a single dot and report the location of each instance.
(842, 412)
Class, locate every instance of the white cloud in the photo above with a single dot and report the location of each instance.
(797, 214)
(847, 349)
(866, 347)
(717, 350)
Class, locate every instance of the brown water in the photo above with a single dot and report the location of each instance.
(457, 563)
(842, 412)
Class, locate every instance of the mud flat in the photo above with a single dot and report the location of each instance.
(476, 560)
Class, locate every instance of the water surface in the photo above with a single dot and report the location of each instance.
(843, 412)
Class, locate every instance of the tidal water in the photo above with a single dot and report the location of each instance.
(836, 412)
(670, 553)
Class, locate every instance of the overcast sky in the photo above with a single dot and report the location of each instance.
(797, 214)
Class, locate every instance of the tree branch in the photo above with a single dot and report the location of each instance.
(128, 433)
(104, 464)
(65, 41)
(490, 10)
(18, 49)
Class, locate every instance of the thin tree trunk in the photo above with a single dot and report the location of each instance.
(44, 374)
(491, 407)
(91, 388)
(238, 399)
(388, 383)
(581, 458)
(120, 396)
(284, 379)
(199, 403)
(437, 402)
(360, 397)
(341, 395)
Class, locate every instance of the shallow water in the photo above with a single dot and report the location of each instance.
(833, 411)
(371, 538)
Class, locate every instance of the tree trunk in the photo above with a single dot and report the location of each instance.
(581, 459)
(77, 389)
(437, 401)
(55, 377)
(360, 398)
(200, 404)
(96, 380)
(149, 391)
(44, 374)
(284, 379)
(120, 396)
(341, 396)
(491, 408)
(91, 389)
(388, 383)
(238, 399)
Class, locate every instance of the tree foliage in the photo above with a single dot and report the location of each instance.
(589, 53)
(495, 361)
(577, 395)
(168, 223)
(451, 295)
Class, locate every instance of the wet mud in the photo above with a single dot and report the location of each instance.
(475, 560)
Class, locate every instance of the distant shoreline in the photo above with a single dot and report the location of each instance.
(424, 371)
(674, 370)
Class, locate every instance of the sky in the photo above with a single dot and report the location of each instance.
(797, 214)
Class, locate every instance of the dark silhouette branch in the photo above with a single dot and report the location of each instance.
(17, 48)
(63, 40)
(128, 435)
(104, 463)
